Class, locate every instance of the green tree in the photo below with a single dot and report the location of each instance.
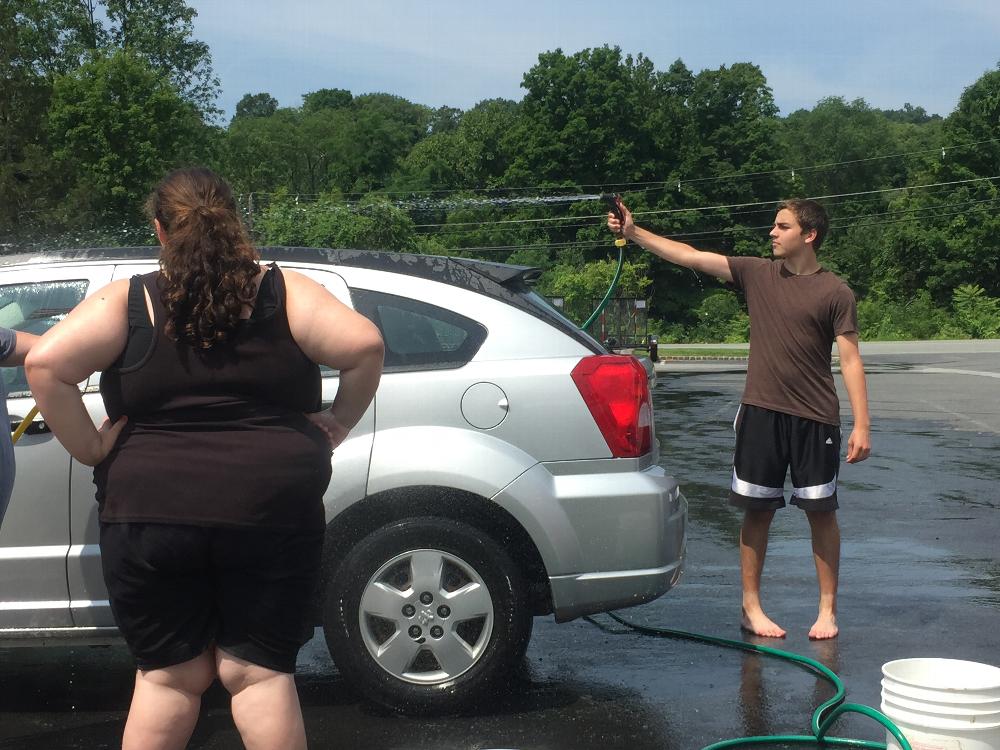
(438, 162)
(475, 154)
(882, 318)
(978, 314)
(161, 32)
(486, 130)
(38, 41)
(584, 119)
(909, 115)
(261, 154)
(976, 120)
(256, 105)
(116, 125)
(322, 99)
(839, 131)
(444, 120)
(373, 224)
(720, 317)
(939, 240)
(582, 287)
(42, 42)
(320, 148)
(734, 114)
(384, 129)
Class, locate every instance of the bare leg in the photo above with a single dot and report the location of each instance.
(265, 704)
(166, 703)
(753, 548)
(826, 554)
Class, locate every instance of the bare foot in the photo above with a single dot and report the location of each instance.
(824, 627)
(760, 624)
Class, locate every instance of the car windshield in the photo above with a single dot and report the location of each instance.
(34, 308)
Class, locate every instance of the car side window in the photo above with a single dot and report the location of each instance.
(418, 335)
(35, 308)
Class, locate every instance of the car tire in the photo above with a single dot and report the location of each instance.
(426, 615)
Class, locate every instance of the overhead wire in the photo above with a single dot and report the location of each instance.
(742, 209)
(655, 212)
(671, 184)
(573, 222)
(729, 231)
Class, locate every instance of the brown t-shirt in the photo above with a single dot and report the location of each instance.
(794, 321)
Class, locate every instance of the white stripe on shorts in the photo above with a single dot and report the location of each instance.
(749, 489)
(816, 492)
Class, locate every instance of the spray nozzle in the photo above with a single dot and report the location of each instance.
(613, 201)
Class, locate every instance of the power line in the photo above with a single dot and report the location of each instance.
(825, 197)
(654, 185)
(729, 231)
(828, 165)
(571, 222)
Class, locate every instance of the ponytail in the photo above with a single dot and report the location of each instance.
(209, 265)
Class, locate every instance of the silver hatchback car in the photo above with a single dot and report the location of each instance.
(506, 469)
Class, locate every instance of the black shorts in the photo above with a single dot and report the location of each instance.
(767, 444)
(176, 590)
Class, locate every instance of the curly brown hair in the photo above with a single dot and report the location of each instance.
(208, 263)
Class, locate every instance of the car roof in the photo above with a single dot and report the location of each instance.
(502, 281)
(449, 270)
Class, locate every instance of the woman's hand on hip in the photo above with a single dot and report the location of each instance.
(326, 421)
(107, 436)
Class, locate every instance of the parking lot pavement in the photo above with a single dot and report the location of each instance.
(920, 577)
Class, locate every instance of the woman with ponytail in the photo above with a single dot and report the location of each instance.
(212, 465)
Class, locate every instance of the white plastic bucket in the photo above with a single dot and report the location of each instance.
(942, 704)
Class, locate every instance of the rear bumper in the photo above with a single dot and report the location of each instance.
(608, 538)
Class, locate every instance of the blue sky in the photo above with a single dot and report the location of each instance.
(456, 53)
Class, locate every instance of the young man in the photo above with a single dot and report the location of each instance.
(790, 413)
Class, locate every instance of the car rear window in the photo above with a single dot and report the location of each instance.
(418, 335)
(542, 308)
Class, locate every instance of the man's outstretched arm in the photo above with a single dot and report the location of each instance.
(853, 370)
(676, 252)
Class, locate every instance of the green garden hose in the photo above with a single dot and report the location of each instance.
(611, 289)
(614, 205)
(823, 717)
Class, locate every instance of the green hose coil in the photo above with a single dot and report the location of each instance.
(823, 717)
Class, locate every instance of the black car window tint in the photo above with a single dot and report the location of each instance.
(418, 335)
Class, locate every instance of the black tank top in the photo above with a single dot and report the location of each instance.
(217, 437)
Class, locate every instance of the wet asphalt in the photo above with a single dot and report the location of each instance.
(920, 576)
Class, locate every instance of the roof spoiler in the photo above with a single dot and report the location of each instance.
(502, 273)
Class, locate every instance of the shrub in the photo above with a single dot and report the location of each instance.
(977, 313)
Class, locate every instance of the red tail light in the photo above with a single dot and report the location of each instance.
(616, 391)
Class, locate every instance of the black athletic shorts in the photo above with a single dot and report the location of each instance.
(767, 444)
(176, 590)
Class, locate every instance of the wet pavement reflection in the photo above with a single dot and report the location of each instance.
(920, 577)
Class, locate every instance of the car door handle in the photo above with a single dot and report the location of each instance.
(38, 427)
